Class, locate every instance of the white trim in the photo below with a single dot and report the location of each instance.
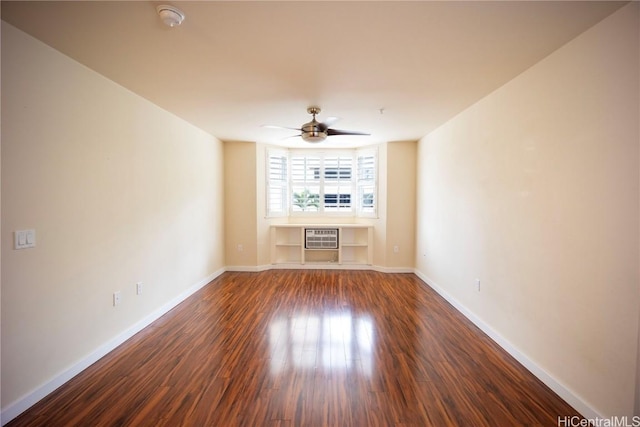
(23, 403)
(248, 268)
(560, 389)
(327, 266)
(393, 270)
(319, 266)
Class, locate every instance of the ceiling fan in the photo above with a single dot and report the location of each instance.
(315, 131)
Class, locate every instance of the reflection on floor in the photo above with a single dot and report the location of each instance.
(330, 341)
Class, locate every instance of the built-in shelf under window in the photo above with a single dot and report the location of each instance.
(354, 245)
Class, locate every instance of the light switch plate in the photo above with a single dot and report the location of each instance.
(24, 239)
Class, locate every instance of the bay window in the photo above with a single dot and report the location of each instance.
(305, 182)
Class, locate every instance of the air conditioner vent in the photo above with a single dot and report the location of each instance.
(321, 238)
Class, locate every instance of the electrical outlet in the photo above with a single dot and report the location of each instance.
(139, 288)
(478, 284)
(240, 248)
(396, 249)
(117, 298)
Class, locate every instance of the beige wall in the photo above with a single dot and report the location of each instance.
(535, 191)
(240, 204)
(395, 224)
(401, 206)
(118, 191)
(262, 222)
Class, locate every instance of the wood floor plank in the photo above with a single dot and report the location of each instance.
(305, 348)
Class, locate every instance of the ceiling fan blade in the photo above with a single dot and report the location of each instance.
(280, 127)
(333, 132)
(328, 122)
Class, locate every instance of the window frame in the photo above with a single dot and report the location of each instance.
(321, 182)
(273, 183)
(350, 182)
(362, 182)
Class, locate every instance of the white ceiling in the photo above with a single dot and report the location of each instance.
(232, 67)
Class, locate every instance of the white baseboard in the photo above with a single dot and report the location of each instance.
(322, 266)
(560, 389)
(319, 266)
(393, 270)
(248, 269)
(17, 407)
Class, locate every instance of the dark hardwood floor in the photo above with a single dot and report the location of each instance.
(305, 348)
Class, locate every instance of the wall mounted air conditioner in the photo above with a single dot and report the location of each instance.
(321, 238)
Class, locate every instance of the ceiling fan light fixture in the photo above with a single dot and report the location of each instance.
(171, 16)
(313, 136)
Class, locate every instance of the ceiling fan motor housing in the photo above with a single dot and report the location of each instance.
(313, 132)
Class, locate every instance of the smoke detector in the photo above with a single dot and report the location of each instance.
(171, 16)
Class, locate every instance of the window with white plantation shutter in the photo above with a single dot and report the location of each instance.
(338, 183)
(277, 183)
(366, 184)
(304, 182)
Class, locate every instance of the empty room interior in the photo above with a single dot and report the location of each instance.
(314, 181)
